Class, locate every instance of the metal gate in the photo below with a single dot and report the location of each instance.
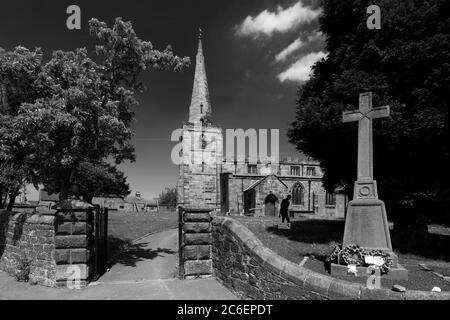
(101, 241)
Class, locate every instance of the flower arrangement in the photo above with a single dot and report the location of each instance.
(354, 255)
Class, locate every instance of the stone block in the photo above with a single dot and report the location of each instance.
(41, 219)
(201, 252)
(197, 227)
(62, 256)
(398, 273)
(74, 215)
(318, 283)
(343, 290)
(81, 228)
(197, 238)
(64, 228)
(380, 294)
(197, 217)
(71, 241)
(197, 267)
(79, 256)
(63, 272)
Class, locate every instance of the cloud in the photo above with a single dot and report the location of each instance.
(301, 70)
(317, 35)
(296, 45)
(281, 20)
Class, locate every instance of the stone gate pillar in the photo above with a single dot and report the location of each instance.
(195, 242)
(73, 241)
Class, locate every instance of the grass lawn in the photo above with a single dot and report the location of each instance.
(316, 239)
(125, 227)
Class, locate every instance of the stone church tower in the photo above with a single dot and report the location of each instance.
(198, 183)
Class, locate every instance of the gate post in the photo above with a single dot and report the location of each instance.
(73, 241)
(195, 242)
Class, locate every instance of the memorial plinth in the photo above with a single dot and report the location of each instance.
(366, 224)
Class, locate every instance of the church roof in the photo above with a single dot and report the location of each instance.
(200, 107)
(253, 185)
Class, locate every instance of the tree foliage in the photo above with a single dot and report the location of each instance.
(75, 110)
(168, 197)
(99, 179)
(19, 71)
(406, 64)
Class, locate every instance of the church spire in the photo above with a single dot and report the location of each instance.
(200, 108)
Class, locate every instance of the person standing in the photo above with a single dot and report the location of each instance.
(284, 206)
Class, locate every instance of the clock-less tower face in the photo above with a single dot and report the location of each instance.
(201, 147)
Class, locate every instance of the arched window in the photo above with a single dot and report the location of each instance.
(298, 194)
(201, 109)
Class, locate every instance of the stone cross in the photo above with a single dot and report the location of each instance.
(366, 223)
(364, 116)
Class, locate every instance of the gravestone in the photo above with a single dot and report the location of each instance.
(366, 224)
(284, 226)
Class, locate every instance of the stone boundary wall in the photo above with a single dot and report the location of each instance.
(26, 238)
(58, 244)
(244, 265)
(195, 242)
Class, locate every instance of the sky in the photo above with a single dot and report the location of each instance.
(257, 53)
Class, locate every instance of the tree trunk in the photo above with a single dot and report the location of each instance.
(64, 192)
(12, 200)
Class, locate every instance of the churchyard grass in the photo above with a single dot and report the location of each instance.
(126, 227)
(316, 239)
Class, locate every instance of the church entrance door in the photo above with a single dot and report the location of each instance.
(269, 205)
(249, 201)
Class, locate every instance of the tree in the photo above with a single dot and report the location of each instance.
(99, 179)
(85, 112)
(168, 197)
(19, 70)
(406, 64)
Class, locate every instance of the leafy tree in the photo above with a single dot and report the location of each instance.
(19, 70)
(100, 179)
(406, 64)
(84, 113)
(168, 197)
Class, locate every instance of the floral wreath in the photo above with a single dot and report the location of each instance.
(354, 255)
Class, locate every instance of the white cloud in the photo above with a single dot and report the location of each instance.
(281, 20)
(317, 35)
(296, 45)
(301, 70)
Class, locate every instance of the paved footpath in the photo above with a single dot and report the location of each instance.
(146, 271)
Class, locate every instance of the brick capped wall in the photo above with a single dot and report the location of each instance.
(245, 266)
(28, 237)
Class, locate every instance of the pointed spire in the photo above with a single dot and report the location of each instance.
(200, 107)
